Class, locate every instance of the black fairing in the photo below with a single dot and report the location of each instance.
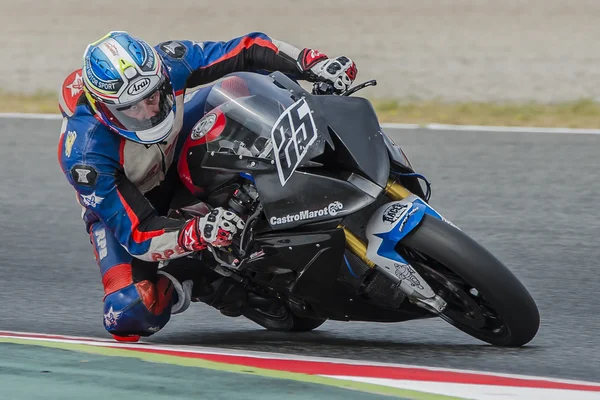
(310, 266)
(300, 257)
(311, 190)
(350, 123)
(396, 155)
(294, 261)
(308, 190)
(353, 125)
(400, 163)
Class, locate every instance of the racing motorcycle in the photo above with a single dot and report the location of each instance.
(338, 224)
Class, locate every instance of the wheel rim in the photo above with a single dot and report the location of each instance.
(467, 308)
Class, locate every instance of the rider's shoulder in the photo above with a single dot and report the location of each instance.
(86, 141)
(176, 50)
(70, 93)
(86, 152)
(181, 57)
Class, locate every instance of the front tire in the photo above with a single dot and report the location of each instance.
(485, 300)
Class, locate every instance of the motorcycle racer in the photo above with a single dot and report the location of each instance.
(125, 115)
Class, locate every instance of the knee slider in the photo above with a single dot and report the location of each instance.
(126, 314)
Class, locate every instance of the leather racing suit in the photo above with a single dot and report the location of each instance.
(122, 185)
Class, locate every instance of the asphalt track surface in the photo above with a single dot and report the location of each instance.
(531, 199)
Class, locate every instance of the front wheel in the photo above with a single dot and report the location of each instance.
(485, 300)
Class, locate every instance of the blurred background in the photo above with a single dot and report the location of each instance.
(508, 62)
(451, 50)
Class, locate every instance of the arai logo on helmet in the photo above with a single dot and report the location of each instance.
(138, 86)
(332, 209)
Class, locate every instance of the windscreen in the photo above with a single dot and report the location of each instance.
(260, 119)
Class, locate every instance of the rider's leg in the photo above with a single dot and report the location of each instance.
(137, 301)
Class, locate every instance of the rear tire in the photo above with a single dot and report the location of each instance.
(500, 310)
(285, 321)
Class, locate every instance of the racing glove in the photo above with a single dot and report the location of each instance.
(216, 228)
(339, 72)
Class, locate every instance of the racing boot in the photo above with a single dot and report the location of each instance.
(183, 292)
(201, 283)
(187, 278)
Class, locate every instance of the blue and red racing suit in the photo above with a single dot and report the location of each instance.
(113, 177)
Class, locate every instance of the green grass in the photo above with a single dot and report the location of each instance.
(584, 113)
(39, 102)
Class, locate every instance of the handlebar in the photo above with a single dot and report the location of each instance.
(324, 88)
(321, 88)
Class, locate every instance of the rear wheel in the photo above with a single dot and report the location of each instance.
(485, 300)
(283, 320)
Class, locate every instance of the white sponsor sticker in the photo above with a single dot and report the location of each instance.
(394, 212)
(203, 126)
(406, 273)
(332, 209)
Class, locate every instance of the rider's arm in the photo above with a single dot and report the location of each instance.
(103, 189)
(209, 61)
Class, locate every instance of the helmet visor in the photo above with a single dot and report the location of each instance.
(145, 114)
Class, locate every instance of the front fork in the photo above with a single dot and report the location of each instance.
(379, 252)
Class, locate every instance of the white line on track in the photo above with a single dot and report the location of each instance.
(495, 129)
(431, 127)
(479, 392)
(103, 342)
(29, 116)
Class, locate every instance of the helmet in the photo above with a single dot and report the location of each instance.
(129, 88)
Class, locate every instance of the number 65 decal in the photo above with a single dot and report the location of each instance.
(293, 133)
